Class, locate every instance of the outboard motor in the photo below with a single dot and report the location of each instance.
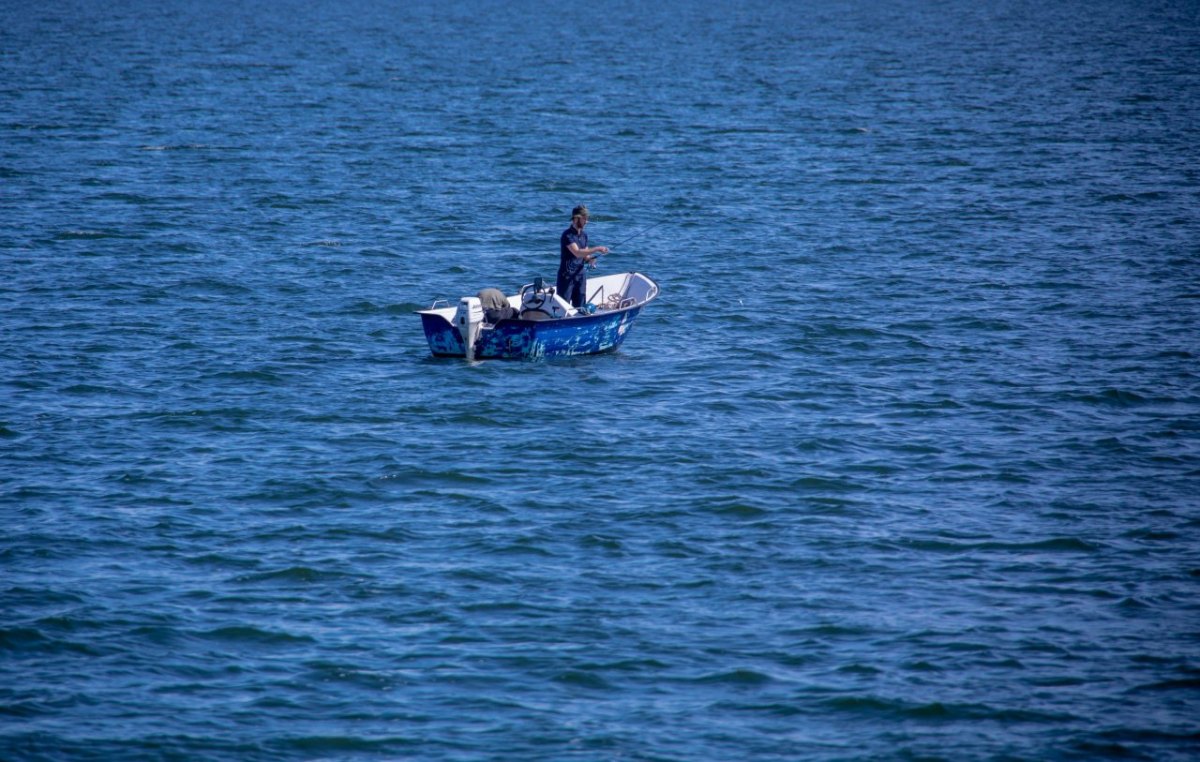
(468, 319)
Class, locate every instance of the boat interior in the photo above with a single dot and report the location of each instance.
(538, 301)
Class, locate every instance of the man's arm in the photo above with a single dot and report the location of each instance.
(588, 254)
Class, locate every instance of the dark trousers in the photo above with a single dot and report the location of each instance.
(572, 289)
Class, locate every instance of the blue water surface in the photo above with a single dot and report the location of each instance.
(903, 464)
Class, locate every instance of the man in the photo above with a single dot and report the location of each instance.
(573, 257)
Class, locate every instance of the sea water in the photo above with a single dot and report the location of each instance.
(903, 463)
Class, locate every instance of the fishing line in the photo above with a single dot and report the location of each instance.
(635, 235)
(593, 264)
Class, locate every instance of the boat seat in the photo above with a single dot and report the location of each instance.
(543, 304)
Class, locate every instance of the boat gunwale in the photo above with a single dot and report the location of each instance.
(437, 311)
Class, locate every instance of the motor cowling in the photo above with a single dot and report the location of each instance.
(468, 319)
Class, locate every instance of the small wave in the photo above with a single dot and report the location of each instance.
(85, 235)
(1148, 735)
(982, 324)
(83, 389)
(1132, 198)
(938, 711)
(1114, 398)
(303, 574)
(599, 541)
(28, 639)
(157, 634)
(21, 639)
(326, 672)
(822, 632)
(363, 307)
(324, 745)
(583, 679)
(128, 198)
(247, 634)
(254, 376)
(821, 483)
(1133, 603)
(736, 508)
(1182, 684)
(518, 549)
(416, 477)
(176, 147)
(734, 677)
(859, 669)
(246, 65)
(217, 286)
(626, 665)
(278, 201)
(1053, 545)
(777, 709)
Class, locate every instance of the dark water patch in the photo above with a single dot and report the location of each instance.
(1091, 750)
(1053, 545)
(82, 234)
(1115, 398)
(734, 507)
(598, 541)
(580, 678)
(737, 677)
(938, 712)
(309, 746)
(1183, 684)
(251, 377)
(825, 484)
(338, 672)
(91, 389)
(365, 308)
(525, 548)
(31, 642)
(126, 198)
(302, 575)
(414, 477)
(859, 669)
(248, 635)
(1149, 742)
(772, 709)
(49, 745)
(209, 286)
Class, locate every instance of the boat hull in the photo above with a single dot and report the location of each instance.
(533, 339)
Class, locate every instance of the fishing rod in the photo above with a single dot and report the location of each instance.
(635, 235)
(648, 228)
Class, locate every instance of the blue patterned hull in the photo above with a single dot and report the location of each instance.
(530, 339)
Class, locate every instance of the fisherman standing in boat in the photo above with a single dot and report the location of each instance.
(573, 257)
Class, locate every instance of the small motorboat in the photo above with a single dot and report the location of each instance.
(538, 322)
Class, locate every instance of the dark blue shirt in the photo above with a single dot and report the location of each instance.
(571, 267)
